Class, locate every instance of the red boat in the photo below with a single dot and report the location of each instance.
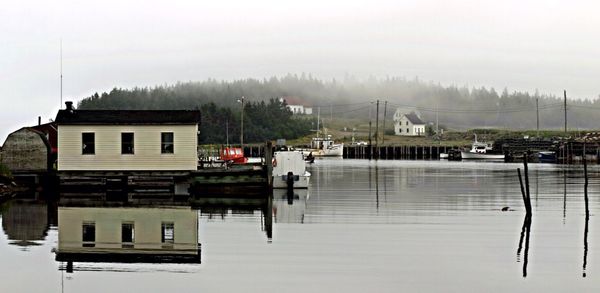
(236, 155)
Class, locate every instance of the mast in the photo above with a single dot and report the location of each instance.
(61, 75)
(318, 118)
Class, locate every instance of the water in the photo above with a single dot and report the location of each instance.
(387, 226)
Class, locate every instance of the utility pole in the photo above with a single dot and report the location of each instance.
(437, 122)
(227, 131)
(318, 118)
(370, 107)
(377, 126)
(241, 100)
(384, 114)
(565, 92)
(537, 112)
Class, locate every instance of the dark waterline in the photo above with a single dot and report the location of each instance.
(386, 226)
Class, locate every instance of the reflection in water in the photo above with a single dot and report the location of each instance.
(587, 217)
(525, 230)
(221, 207)
(289, 206)
(127, 235)
(27, 223)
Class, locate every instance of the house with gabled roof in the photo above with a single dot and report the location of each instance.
(408, 124)
(127, 140)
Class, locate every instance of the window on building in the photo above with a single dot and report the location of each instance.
(406, 123)
(407, 130)
(166, 143)
(88, 235)
(127, 143)
(168, 232)
(88, 142)
(127, 234)
(400, 130)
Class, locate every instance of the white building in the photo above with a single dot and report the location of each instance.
(127, 140)
(408, 124)
(297, 107)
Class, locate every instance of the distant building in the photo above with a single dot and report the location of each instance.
(297, 106)
(408, 124)
(127, 140)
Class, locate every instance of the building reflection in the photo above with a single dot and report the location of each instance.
(26, 223)
(223, 207)
(141, 234)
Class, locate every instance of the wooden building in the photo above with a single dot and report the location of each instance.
(127, 140)
(27, 150)
(408, 124)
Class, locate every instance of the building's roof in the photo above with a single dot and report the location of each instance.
(413, 118)
(124, 117)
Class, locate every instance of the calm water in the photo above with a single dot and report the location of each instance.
(388, 226)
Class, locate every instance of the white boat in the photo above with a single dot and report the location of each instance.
(479, 151)
(443, 156)
(324, 147)
(285, 162)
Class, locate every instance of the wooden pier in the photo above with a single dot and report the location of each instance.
(405, 152)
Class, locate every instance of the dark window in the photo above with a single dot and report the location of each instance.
(88, 142)
(400, 130)
(127, 234)
(406, 122)
(166, 143)
(407, 130)
(88, 235)
(126, 143)
(168, 232)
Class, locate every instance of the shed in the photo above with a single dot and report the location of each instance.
(27, 150)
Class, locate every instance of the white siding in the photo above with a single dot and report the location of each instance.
(146, 157)
(147, 225)
(400, 127)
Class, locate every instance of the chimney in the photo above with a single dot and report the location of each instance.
(69, 105)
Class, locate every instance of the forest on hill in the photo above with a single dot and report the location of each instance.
(456, 107)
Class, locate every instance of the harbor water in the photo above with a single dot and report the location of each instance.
(362, 226)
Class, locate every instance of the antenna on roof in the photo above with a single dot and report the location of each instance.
(61, 75)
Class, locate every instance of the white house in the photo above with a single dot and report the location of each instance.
(127, 140)
(297, 106)
(408, 124)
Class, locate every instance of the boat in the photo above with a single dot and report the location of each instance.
(289, 166)
(324, 147)
(480, 151)
(233, 155)
(443, 156)
(547, 157)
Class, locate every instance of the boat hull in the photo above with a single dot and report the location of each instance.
(547, 157)
(333, 151)
(300, 181)
(479, 156)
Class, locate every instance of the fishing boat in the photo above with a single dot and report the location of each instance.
(480, 151)
(289, 168)
(324, 147)
(233, 154)
(547, 157)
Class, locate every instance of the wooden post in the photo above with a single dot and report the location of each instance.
(269, 162)
(587, 212)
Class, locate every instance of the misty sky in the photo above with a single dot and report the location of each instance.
(522, 45)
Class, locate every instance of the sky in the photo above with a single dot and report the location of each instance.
(521, 45)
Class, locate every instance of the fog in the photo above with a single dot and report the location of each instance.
(543, 45)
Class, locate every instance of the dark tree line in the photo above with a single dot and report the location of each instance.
(457, 107)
